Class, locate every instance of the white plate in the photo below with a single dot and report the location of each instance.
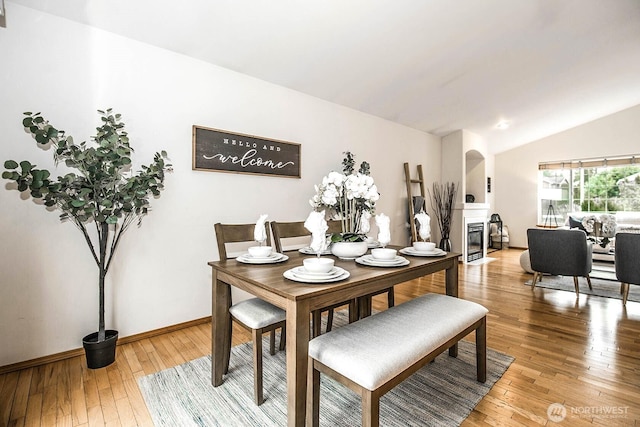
(308, 251)
(371, 258)
(302, 272)
(274, 258)
(373, 244)
(412, 252)
(289, 274)
(372, 262)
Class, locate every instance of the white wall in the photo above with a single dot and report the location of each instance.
(516, 171)
(160, 277)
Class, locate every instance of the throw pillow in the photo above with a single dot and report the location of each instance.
(574, 223)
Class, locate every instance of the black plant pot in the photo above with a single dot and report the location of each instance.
(100, 354)
(445, 245)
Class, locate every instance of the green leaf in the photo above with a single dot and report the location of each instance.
(26, 166)
(6, 175)
(112, 220)
(77, 203)
(10, 164)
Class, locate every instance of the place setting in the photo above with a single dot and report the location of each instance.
(317, 269)
(425, 249)
(307, 250)
(382, 256)
(261, 254)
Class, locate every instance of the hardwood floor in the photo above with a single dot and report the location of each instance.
(584, 354)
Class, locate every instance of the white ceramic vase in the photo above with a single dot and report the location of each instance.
(349, 250)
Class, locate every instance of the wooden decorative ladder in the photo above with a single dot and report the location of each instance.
(410, 182)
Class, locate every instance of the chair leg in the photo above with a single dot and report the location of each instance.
(227, 347)
(625, 294)
(353, 310)
(575, 285)
(272, 342)
(621, 287)
(316, 323)
(589, 282)
(534, 280)
(329, 320)
(313, 395)
(283, 337)
(257, 366)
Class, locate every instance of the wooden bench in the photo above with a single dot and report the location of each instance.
(373, 355)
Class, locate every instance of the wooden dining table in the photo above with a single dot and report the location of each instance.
(266, 281)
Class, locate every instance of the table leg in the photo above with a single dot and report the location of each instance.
(364, 306)
(451, 285)
(220, 325)
(451, 278)
(297, 361)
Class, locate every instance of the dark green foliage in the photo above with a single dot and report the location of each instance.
(102, 190)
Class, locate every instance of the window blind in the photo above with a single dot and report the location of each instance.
(591, 163)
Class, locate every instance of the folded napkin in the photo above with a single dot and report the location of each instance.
(318, 227)
(365, 225)
(259, 233)
(384, 234)
(425, 227)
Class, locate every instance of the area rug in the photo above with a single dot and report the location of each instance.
(601, 288)
(603, 270)
(443, 393)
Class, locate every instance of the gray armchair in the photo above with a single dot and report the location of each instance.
(559, 252)
(627, 264)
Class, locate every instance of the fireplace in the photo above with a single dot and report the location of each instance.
(475, 241)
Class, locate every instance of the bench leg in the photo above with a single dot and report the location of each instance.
(370, 409)
(313, 395)
(481, 350)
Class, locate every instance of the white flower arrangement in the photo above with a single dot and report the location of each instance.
(350, 197)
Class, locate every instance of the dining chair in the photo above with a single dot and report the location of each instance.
(627, 248)
(559, 252)
(253, 314)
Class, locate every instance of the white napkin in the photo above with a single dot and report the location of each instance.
(365, 225)
(384, 234)
(259, 233)
(318, 227)
(425, 227)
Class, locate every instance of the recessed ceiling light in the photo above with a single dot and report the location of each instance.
(503, 124)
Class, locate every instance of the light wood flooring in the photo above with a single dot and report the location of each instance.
(583, 353)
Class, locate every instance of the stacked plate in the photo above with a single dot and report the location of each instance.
(373, 244)
(413, 252)
(271, 259)
(369, 260)
(308, 251)
(300, 274)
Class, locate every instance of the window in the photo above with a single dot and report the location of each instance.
(598, 185)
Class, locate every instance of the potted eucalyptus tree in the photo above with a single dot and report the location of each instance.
(102, 198)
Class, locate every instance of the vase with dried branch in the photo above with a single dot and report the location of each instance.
(443, 198)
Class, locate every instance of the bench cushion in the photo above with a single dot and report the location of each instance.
(377, 348)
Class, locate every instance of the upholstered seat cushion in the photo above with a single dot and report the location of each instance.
(256, 313)
(366, 351)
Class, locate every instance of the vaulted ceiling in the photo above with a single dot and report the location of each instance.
(435, 65)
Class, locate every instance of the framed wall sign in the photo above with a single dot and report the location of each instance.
(222, 151)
